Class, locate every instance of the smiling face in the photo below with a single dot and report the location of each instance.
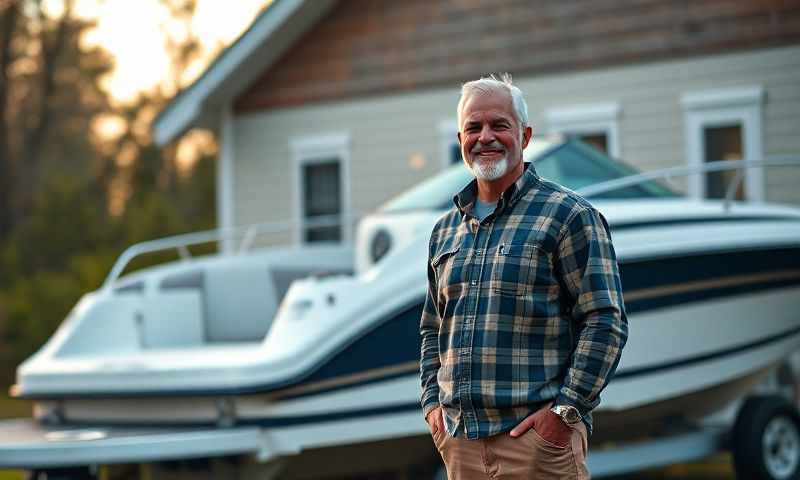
(491, 137)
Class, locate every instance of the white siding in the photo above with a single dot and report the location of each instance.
(387, 131)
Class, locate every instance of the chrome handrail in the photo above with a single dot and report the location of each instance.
(250, 233)
(667, 173)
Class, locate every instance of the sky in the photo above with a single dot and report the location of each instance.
(131, 30)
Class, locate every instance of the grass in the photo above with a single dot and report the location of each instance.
(12, 475)
(13, 408)
(718, 467)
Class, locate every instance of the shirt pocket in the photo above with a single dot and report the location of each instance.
(448, 265)
(519, 269)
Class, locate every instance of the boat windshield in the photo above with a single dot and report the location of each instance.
(573, 164)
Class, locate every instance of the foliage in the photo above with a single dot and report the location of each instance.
(49, 94)
(67, 246)
(71, 200)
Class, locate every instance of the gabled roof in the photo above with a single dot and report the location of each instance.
(272, 33)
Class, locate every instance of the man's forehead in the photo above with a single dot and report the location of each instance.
(493, 103)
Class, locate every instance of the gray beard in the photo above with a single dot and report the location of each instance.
(489, 171)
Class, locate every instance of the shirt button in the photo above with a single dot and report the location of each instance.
(473, 283)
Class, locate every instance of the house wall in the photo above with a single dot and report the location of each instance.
(391, 133)
(369, 47)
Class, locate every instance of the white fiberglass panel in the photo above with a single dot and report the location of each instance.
(688, 330)
(99, 323)
(682, 239)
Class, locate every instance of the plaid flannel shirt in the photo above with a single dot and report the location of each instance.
(522, 309)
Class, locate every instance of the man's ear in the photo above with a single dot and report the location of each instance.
(526, 136)
(458, 136)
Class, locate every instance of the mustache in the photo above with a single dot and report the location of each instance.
(479, 147)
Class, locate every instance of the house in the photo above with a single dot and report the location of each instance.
(330, 107)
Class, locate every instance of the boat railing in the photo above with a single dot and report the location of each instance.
(248, 234)
(684, 171)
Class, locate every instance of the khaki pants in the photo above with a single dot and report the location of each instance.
(503, 457)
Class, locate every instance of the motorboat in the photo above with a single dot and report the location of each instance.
(314, 350)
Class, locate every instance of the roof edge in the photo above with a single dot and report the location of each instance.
(234, 69)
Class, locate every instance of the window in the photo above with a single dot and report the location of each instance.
(322, 201)
(595, 124)
(723, 125)
(722, 143)
(598, 140)
(322, 194)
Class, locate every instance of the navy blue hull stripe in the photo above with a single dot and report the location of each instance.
(620, 226)
(716, 275)
(627, 373)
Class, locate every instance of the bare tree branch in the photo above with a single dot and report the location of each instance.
(8, 23)
(49, 65)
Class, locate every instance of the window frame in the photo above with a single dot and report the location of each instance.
(725, 107)
(316, 149)
(589, 118)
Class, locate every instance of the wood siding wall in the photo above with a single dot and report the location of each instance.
(367, 47)
(387, 131)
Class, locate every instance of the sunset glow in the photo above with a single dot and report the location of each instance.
(133, 32)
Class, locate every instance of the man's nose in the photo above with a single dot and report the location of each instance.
(487, 135)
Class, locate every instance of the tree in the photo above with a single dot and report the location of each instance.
(8, 22)
(71, 201)
(49, 94)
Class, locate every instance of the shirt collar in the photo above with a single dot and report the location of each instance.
(465, 199)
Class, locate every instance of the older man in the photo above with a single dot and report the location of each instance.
(524, 321)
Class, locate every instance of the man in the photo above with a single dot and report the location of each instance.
(524, 322)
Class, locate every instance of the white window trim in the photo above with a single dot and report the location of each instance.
(317, 149)
(591, 118)
(225, 182)
(448, 133)
(721, 107)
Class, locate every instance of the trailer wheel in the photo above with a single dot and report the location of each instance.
(766, 440)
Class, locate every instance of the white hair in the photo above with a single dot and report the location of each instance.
(495, 83)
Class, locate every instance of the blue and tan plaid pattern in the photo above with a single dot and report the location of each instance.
(522, 309)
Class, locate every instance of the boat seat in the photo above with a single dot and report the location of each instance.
(240, 303)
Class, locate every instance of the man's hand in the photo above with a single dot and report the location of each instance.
(548, 425)
(435, 421)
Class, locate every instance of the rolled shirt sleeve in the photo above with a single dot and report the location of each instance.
(588, 267)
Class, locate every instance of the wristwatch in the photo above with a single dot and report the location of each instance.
(568, 414)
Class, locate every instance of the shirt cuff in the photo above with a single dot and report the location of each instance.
(569, 397)
(429, 403)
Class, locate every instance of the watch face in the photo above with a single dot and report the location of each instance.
(568, 414)
(571, 415)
